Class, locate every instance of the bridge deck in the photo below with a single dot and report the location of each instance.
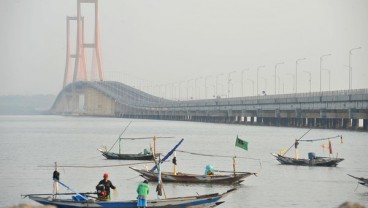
(339, 109)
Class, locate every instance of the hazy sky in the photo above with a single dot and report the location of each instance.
(168, 41)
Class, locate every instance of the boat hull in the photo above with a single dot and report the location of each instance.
(194, 178)
(116, 156)
(210, 200)
(321, 161)
(362, 181)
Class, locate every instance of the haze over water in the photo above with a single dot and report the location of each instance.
(30, 141)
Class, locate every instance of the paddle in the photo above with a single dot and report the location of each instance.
(78, 194)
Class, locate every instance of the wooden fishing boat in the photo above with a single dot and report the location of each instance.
(361, 180)
(209, 200)
(317, 161)
(117, 156)
(194, 178)
(312, 160)
(145, 155)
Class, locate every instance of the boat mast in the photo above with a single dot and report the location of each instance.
(174, 161)
(330, 147)
(154, 146)
(234, 164)
(296, 149)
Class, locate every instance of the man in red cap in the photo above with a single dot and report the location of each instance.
(103, 188)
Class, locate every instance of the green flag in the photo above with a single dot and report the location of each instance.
(241, 143)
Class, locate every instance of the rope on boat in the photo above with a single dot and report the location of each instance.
(120, 136)
(134, 138)
(95, 166)
(208, 155)
(296, 141)
(321, 139)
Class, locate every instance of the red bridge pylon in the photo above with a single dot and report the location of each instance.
(80, 68)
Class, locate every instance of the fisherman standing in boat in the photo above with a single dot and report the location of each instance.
(143, 191)
(103, 188)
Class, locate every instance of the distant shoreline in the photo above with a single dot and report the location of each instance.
(26, 104)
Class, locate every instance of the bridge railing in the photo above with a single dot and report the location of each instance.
(265, 99)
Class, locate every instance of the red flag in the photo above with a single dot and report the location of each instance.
(325, 146)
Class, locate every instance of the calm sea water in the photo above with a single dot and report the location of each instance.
(28, 142)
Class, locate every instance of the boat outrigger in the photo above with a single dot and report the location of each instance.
(312, 160)
(361, 180)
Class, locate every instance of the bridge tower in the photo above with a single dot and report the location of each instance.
(80, 68)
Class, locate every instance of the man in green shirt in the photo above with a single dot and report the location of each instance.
(143, 191)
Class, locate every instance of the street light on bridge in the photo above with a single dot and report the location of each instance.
(180, 89)
(296, 73)
(320, 70)
(217, 76)
(293, 76)
(257, 76)
(310, 80)
(195, 88)
(329, 78)
(350, 69)
(276, 73)
(252, 85)
(188, 81)
(228, 82)
(265, 90)
(242, 80)
(205, 86)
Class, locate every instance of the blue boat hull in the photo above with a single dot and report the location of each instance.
(210, 200)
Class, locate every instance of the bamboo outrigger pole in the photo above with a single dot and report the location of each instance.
(330, 147)
(174, 161)
(55, 184)
(296, 149)
(234, 165)
(154, 146)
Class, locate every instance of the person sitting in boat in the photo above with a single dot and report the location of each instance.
(209, 170)
(143, 191)
(103, 188)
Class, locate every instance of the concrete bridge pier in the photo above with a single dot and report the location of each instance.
(365, 124)
(252, 120)
(310, 122)
(337, 123)
(355, 124)
(346, 123)
(283, 122)
(304, 122)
